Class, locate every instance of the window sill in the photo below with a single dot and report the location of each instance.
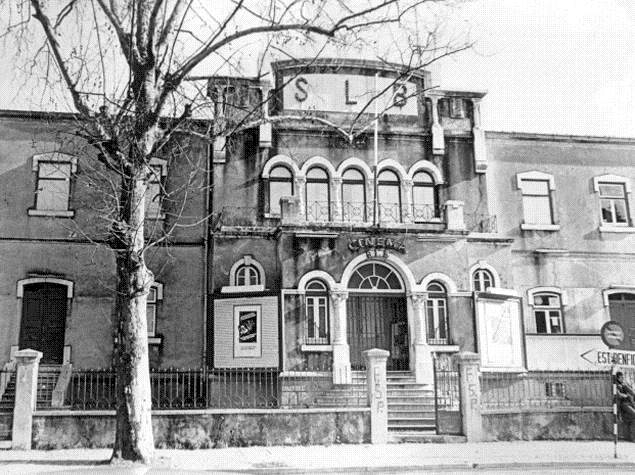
(608, 228)
(316, 348)
(239, 289)
(539, 227)
(52, 213)
(156, 217)
(444, 348)
(155, 340)
(272, 215)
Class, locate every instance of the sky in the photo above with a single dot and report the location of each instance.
(548, 66)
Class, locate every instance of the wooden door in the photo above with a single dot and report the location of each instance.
(43, 321)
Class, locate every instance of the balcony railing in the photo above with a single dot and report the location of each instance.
(482, 223)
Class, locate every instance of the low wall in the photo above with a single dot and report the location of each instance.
(549, 424)
(207, 429)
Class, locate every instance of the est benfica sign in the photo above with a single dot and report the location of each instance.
(610, 357)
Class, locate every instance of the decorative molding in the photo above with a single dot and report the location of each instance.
(394, 165)
(44, 279)
(317, 274)
(449, 284)
(280, 160)
(551, 290)
(247, 260)
(55, 157)
(319, 162)
(539, 227)
(535, 175)
(426, 166)
(612, 228)
(614, 179)
(357, 163)
(616, 290)
(481, 264)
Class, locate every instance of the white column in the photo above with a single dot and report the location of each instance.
(422, 360)
(336, 199)
(406, 199)
(377, 394)
(480, 150)
(341, 350)
(438, 140)
(299, 182)
(25, 398)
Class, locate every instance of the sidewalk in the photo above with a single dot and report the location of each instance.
(343, 458)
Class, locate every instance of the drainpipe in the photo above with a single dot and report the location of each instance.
(208, 248)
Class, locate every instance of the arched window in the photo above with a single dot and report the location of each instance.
(437, 314)
(317, 313)
(547, 312)
(482, 279)
(247, 274)
(318, 199)
(389, 196)
(424, 197)
(375, 276)
(354, 196)
(280, 184)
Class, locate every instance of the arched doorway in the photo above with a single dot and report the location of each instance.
(377, 314)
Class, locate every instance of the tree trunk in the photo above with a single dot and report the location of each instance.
(134, 440)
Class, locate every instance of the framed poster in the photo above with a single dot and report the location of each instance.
(500, 334)
(247, 331)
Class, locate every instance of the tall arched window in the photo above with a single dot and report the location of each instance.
(318, 199)
(437, 314)
(389, 196)
(280, 184)
(354, 196)
(424, 197)
(482, 279)
(317, 313)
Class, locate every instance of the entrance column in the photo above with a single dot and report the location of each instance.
(341, 350)
(422, 354)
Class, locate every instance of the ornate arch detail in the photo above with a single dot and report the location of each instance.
(450, 285)
(615, 290)
(394, 165)
(317, 274)
(52, 280)
(486, 266)
(320, 162)
(425, 165)
(550, 290)
(354, 162)
(392, 261)
(280, 160)
(249, 261)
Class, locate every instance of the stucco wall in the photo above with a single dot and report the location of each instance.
(201, 430)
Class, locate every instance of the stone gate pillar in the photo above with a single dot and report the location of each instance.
(341, 350)
(28, 362)
(377, 394)
(470, 384)
(422, 355)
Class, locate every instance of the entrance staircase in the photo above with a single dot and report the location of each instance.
(7, 401)
(411, 411)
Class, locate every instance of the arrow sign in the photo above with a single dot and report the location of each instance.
(610, 357)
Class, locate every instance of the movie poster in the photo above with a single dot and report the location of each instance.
(247, 341)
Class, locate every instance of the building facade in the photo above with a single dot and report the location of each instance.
(429, 238)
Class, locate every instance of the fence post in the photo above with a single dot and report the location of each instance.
(377, 394)
(469, 382)
(28, 362)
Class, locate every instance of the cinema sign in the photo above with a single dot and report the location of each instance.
(349, 93)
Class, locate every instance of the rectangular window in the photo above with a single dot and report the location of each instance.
(613, 204)
(548, 313)
(151, 311)
(437, 322)
(154, 194)
(317, 322)
(53, 186)
(537, 202)
(278, 189)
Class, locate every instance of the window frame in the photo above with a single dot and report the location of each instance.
(354, 182)
(433, 314)
(57, 159)
(606, 226)
(477, 276)
(233, 287)
(435, 196)
(250, 269)
(547, 309)
(391, 183)
(158, 170)
(522, 179)
(157, 287)
(312, 181)
(271, 180)
(319, 300)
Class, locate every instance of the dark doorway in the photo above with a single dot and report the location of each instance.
(622, 308)
(43, 323)
(378, 321)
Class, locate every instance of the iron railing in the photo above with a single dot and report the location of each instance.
(227, 388)
(540, 389)
(7, 389)
(447, 396)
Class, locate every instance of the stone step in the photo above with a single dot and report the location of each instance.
(392, 414)
(409, 407)
(424, 437)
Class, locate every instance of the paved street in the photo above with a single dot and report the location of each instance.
(499, 457)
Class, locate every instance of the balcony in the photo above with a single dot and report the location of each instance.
(362, 213)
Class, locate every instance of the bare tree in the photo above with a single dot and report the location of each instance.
(124, 64)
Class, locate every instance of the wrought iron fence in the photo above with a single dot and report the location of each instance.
(357, 212)
(424, 213)
(319, 212)
(447, 398)
(546, 389)
(230, 388)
